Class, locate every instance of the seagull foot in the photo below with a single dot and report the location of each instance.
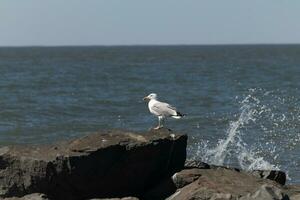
(158, 127)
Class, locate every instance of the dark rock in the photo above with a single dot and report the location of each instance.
(169, 185)
(225, 167)
(222, 183)
(102, 165)
(274, 175)
(35, 196)
(162, 190)
(125, 198)
(202, 165)
(196, 164)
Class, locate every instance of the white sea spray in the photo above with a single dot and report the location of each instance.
(234, 148)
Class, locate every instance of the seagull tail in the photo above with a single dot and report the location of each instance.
(178, 115)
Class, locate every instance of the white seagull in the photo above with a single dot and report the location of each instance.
(161, 109)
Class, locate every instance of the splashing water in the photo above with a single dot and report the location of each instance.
(218, 154)
(233, 147)
(249, 160)
(264, 134)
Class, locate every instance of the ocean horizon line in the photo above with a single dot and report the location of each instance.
(148, 45)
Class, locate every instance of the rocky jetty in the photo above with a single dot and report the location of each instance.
(122, 165)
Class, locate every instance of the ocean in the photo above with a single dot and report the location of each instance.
(241, 101)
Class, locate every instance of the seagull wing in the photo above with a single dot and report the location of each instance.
(164, 109)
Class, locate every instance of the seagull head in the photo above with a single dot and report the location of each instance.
(150, 96)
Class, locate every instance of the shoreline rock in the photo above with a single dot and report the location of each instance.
(122, 165)
(101, 165)
(213, 182)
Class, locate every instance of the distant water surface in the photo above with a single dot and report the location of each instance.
(242, 102)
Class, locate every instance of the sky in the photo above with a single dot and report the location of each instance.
(141, 22)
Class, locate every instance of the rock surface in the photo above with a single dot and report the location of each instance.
(121, 165)
(101, 165)
(275, 175)
(34, 196)
(222, 183)
(125, 198)
(202, 181)
(293, 191)
(196, 164)
(266, 192)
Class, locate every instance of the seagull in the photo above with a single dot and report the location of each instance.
(161, 109)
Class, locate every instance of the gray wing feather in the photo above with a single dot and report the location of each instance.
(164, 109)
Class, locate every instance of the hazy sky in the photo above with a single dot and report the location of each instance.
(110, 22)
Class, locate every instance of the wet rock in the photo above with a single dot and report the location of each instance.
(196, 164)
(102, 165)
(275, 175)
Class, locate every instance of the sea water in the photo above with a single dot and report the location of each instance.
(241, 102)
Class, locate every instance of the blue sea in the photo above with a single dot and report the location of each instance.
(241, 101)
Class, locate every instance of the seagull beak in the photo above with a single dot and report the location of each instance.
(146, 98)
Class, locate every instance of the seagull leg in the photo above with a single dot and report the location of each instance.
(159, 123)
